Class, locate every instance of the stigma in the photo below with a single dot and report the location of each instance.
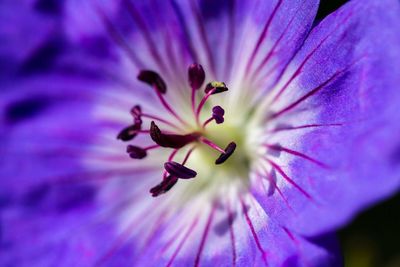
(178, 138)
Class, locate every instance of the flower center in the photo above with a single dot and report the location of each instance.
(206, 143)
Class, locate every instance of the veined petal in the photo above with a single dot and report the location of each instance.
(346, 125)
(239, 235)
(51, 199)
(256, 42)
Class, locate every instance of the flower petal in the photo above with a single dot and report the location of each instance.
(221, 35)
(345, 154)
(242, 235)
(24, 35)
(58, 220)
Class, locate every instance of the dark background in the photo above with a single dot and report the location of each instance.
(328, 6)
(373, 238)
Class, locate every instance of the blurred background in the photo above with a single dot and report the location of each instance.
(373, 238)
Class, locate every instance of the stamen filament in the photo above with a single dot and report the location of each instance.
(207, 122)
(184, 132)
(168, 108)
(142, 131)
(211, 144)
(170, 158)
(188, 155)
(145, 115)
(201, 105)
(194, 101)
(151, 147)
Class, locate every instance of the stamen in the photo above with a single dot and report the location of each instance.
(188, 155)
(173, 171)
(145, 115)
(211, 89)
(178, 170)
(211, 144)
(136, 111)
(218, 116)
(201, 105)
(171, 140)
(207, 122)
(136, 152)
(153, 79)
(130, 132)
(164, 186)
(196, 76)
(227, 153)
(137, 114)
(170, 158)
(216, 87)
(169, 108)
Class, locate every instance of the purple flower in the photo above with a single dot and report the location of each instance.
(193, 133)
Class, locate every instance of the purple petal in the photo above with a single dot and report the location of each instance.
(242, 235)
(25, 35)
(57, 224)
(349, 160)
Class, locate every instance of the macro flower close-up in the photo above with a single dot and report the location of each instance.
(193, 132)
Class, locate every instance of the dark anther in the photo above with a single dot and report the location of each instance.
(136, 111)
(171, 140)
(218, 87)
(178, 170)
(130, 132)
(196, 76)
(136, 152)
(164, 186)
(152, 78)
(218, 114)
(228, 152)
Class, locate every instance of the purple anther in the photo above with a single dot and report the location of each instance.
(218, 114)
